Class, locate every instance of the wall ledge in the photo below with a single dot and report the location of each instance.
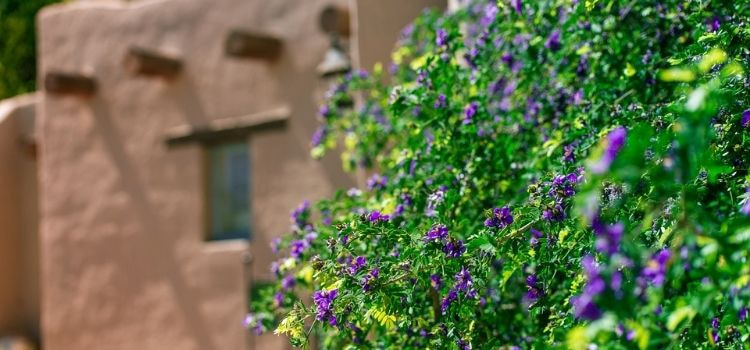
(228, 129)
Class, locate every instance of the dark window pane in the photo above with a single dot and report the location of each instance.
(229, 186)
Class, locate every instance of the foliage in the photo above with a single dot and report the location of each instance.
(550, 174)
(18, 45)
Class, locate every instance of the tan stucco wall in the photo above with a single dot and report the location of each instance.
(377, 25)
(19, 255)
(124, 262)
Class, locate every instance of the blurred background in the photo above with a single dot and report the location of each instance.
(150, 151)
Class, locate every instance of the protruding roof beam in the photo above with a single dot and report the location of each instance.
(252, 45)
(151, 63)
(58, 82)
(335, 20)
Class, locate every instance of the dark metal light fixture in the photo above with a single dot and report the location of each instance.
(334, 21)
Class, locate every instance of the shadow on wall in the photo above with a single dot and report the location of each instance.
(156, 258)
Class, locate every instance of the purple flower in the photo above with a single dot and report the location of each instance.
(501, 218)
(325, 111)
(713, 24)
(616, 281)
(583, 304)
(436, 282)
(454, 249)
(376, 182)
(448, 300)
(288, 282)
(278, 299)
(248, 320)
(433, 201)
(577, 98)
(742, 314)
(533, 293)
(608, 237)
(535, 236)
(442, 37)
(517, 5)
(440, 103)
(715, 329)
(318, 136)
(554, 213)
(436, 233)
(490, 13)
(615, 141)
(622, 331)
(275, 245)
(583, 66)
(569, 154)
(470, 112)
(507, 58)
(553, 41)
(367, 280)
(300, 214)
(324, 303)
(298, 247)
(463, 280)
(745, 204)
(745, 121)
(375, 216)
(656, 269)
(470, 58)
(357, 264)
(585, 307)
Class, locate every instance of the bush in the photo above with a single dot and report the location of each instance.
(550, 174)
(18, 45)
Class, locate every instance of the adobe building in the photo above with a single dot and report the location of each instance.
(140, 188)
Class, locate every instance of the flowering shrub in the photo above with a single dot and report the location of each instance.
(546, 174)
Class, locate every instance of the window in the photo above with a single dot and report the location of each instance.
(229, 191)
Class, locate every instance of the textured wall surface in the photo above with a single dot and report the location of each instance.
(125, 264)
(19, 256)
(124, 261)
(377, 26)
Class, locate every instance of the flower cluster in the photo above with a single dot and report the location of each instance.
(324, 305)
(463, 285)
(614, 137)
(501, 218)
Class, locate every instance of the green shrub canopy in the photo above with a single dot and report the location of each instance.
(18, 45)
(547, 174)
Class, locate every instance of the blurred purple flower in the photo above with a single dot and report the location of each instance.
(713, 24)
(376, 181)
(436, 282)
(288, 282)
(583, 304)
(470, 112)
(655, 270)
(608, 237)
(517, 5)
(614, 143)
(442, 37)
(745, 121)
(553, 41)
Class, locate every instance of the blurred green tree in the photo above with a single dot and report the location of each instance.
(18, 45)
